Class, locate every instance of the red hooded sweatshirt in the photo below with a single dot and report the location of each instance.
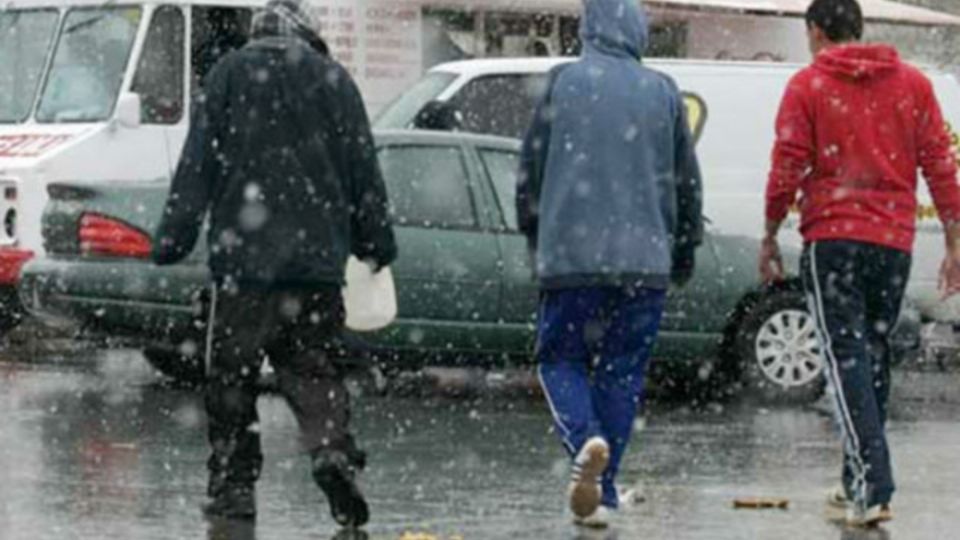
(853, 130)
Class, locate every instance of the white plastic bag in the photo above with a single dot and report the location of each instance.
(369, 299)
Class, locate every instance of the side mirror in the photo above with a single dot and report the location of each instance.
(128, 110)
(438, 116)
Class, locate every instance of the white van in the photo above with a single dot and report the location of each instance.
(732, 107)
(96, 91)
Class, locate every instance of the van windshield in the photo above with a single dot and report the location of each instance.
(401, 113)
(25, 39)
(89, 64)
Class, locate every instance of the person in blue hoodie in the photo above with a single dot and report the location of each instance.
(609, 197)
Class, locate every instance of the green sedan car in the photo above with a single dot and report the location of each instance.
(466, 292)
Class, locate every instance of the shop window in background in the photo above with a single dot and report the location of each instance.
(668, 40)
(521, 34)
(448, 36)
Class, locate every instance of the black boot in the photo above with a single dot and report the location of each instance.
(335, 473)
(232, 502)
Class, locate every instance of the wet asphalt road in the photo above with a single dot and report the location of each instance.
(95, 447)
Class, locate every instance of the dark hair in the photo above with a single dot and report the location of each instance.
(840, 20)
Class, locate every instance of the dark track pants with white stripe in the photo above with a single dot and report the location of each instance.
(855, 291)
(593, 346)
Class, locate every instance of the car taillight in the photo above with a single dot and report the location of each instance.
(100, 235)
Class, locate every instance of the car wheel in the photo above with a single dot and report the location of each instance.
(781, 358)
(187, 370)
(11, 312)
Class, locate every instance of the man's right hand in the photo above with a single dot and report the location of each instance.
(950, 269)
(771, 262)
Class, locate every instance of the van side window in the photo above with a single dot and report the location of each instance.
(428, 186)
(159, 79)
(216, 31)
(500, 104)
(501, 167)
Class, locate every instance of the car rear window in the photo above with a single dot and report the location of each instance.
(428, 186)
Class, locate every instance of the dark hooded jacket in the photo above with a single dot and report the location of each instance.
(281, 157)
(610, 190)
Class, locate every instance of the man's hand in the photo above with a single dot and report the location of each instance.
(771, 262)
(950, 269)
(374, 266)
(950, 275)
(684, 262)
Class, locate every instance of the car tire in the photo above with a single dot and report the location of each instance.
(11, 311)
(185, 370)
(780, 356)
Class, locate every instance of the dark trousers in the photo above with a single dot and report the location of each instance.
(593, 346)
(298, 330)
(855, 291)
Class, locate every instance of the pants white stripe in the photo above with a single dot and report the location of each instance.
(849, 430)
(208, 352)
(564, 430)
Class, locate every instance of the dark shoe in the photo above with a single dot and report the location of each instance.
(231, 529)
(351, 534)
(336, 476)
(238, 503)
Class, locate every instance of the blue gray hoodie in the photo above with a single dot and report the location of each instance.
(609, 191)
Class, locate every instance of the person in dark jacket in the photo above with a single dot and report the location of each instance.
(281, 160)
(609, 197)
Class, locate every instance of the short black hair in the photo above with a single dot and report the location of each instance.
(840, 20)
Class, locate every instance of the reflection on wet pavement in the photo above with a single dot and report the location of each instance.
(99, 449)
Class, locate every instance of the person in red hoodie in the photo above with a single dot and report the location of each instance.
(852, 132)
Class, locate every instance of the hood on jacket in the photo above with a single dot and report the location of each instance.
(614, 27)
(858, 61)
(288, 18)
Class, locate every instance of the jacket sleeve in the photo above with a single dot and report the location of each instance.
(196, 173)
(794, 153)
(689, 191)
(938, 160)
(533, 162)
(372, 234)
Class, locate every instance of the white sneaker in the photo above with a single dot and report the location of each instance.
(873, 517)
(629, 498)
(836, 505)
(837, 498)
(599, 519)
(585, 493)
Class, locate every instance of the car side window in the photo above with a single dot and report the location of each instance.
(216, 31)
(159, 79)
(501, 167)
(428, 186)
(500, 104)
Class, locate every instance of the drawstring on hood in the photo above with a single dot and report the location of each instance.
(858, 62)
(288, 18)
(614, 27)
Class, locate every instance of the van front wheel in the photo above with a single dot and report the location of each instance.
(11, 312)
(781, 357)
